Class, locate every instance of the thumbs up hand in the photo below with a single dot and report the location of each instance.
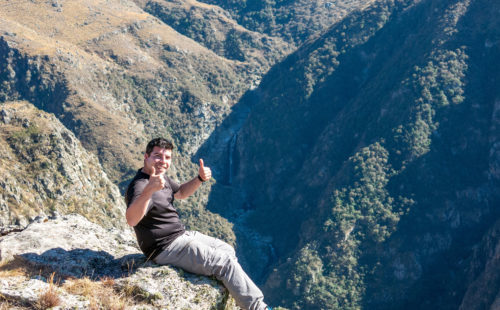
(156, 181)
(204, 172)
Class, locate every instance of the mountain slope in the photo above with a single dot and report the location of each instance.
(363, 172)
(293, 20)
(212, 27)
(379, 142)
(46, 170)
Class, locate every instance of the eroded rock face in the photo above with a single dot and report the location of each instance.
(46, 169)
(75, 248)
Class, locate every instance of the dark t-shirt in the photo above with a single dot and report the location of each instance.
(160, 225)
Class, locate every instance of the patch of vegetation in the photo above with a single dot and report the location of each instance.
(294, 20)
(50, 297)
(363, 214)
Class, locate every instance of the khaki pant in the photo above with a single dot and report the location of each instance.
(200, 254)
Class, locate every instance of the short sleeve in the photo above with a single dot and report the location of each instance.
(173, 185)
(135, 191)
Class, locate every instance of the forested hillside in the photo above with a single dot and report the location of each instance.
(367, 162)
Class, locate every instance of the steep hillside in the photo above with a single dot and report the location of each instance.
(45, 170)
(368, 160)
(483, 273)
(113, 73)
(293, 20)
(362, 171)
(214, 28)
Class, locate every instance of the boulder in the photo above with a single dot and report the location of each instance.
(71, 248)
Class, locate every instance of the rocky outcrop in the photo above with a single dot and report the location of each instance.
(75, 249)
(45, 169)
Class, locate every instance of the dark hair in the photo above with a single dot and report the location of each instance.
(160, 142)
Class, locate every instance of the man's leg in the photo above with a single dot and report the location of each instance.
(200, 254)
(218, 244)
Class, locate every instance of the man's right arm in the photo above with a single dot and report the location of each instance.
(139, 206)
(137, 209)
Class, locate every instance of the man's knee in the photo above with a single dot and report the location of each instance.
(230, 250)
(225, 266)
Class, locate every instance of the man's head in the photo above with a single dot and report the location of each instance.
(159, 142)
(158, 155)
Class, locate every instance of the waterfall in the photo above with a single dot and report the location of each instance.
(232, 146)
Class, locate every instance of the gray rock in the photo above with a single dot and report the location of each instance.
(164, 287)
(5, 116)
(73, 247)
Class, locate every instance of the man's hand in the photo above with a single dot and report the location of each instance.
(188, 188)
(204, 172)
(156, 181)
(137, 209)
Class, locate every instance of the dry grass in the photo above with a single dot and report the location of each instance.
(5, 304)
(11, 305)
(75, 21)
(13, 268)
(101, 294)
(19, 267)
(50, 298)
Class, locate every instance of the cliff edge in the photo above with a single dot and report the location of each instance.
(68, 262)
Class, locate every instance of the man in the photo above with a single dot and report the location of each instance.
(162, 236)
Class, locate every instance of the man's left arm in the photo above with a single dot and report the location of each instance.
(188, 188)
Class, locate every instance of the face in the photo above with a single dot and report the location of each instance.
(159, 158)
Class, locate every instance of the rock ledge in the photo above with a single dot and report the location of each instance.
(73, 248)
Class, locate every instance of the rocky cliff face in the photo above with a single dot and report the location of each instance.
(46, 170)
(83, 265)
